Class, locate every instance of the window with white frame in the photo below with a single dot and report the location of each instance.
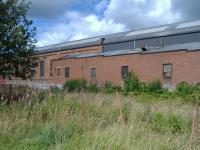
(58, 71)
(93, 72)
(167, 70)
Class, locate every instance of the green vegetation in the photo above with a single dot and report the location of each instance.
(110, 88)
(17, 40)
(75, 84)
(139, 116)
(57, 120)
(92, 87)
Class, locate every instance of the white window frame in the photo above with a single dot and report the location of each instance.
(167, 70)
(57, 71)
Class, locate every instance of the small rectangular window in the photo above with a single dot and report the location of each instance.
(58, 71)
(93, 72)
(41, 68)
(124, 72)
(167, 70)
(67, 72)
(32, 74)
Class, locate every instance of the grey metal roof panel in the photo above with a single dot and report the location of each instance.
(121, 52)
(166, 30)
(170, 30)
(175, 47)
(71, 56)
(88, 55)
(70, 45)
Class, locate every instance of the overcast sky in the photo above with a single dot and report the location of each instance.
(64, 20)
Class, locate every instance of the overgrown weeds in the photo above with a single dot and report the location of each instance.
(55, 122)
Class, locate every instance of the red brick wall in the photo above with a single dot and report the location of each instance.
(48, 57)
(148, 67)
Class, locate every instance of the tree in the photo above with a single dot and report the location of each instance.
(17, 42)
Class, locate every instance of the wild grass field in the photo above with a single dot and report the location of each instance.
(101, 121)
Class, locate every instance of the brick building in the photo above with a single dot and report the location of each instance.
(170, 53)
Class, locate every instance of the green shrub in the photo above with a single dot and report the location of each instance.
(132, 83)
(174, 123)
(184, 89)
(55, 90)
(93, 87)
(110, 88)
(155, 86)
(75, 84)
(158, 123)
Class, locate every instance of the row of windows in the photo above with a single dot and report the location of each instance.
(167, 71)
(154, 42)
(67, 72)
(58, 72)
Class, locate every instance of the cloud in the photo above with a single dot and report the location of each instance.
(49, 8)
(140, 13)
(108, 16)
(187, 9)
(80, 26)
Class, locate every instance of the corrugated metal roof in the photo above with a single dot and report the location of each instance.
(171, 29)
(70, 45)
(175, 47)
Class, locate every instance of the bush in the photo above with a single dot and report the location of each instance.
(55, 90)
(132, 83)
(110, 88)
(174, 123)
(93, 87)
(158, 123)
(183, 89)
(75, 84)
(155, 86)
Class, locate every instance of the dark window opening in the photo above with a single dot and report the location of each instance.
(167, 70)
(58, 72)
(93, 72)
(32, 74)
(67, 72)
(181, 39)
(124, 72)
(154, 42)
(51, 74)
(41, 68)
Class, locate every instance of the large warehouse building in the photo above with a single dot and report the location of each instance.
(170, 53)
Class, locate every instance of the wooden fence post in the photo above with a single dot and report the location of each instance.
(10, 92)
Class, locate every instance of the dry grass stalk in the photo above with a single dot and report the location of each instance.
(119, 105)
(194, 131)
(82, 113)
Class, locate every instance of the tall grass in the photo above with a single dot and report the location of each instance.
(55, 122)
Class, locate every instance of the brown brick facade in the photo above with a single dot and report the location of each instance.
(49, 57)
(148, 67)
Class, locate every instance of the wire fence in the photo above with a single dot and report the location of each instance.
(19, 89)
(12, 92)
